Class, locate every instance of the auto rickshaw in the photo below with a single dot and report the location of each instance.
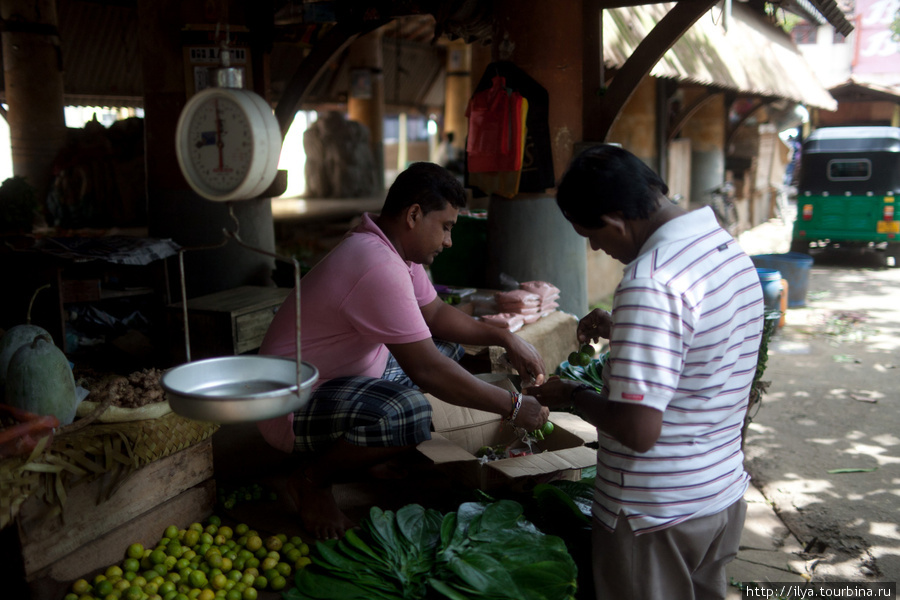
(848, 188)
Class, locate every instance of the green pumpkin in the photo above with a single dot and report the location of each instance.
(39, 380)
(12, 340)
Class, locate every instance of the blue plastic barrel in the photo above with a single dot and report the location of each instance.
(771, 286)
(794, 267)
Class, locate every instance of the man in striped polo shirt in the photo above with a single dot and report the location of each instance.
(684, 335)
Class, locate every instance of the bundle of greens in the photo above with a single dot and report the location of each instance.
(481, 551)
(591, 374)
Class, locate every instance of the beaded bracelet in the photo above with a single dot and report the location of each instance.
(516, 399)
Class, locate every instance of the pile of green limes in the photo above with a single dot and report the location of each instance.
(230, 497)
(199, 563)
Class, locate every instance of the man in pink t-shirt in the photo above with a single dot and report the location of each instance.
(372, 323)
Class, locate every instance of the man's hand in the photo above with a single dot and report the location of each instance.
(531, 414)
(526, 360)
(595, 325)
(555, 393)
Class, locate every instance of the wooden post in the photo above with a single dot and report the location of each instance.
(366, 103)
(32, 68)
(457, 91)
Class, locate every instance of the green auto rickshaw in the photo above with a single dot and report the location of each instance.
(847, 191)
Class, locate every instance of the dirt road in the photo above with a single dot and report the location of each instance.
(824, 447)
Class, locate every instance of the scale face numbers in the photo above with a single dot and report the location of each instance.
(228, 144)
(221, 144)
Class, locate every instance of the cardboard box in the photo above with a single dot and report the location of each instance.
(460, 432)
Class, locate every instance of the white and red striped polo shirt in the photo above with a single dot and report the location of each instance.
(687, 323)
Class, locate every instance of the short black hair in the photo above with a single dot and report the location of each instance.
(605, 179)
(429, 185)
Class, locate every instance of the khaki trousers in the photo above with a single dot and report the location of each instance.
(683, 562)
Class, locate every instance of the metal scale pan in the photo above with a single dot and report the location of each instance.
(234, 389)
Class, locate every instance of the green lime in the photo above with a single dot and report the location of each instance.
(587, 349)
(103, 588)
(574, 359)
(250, 593)
(166, 587)
(547, 429)
(197, 578)
(274, 543)
(218, 581)
(131, 565)
(114, 572)
(133, 593)
(135, 551)
(191, 538)
(81, 586)
(584, 359)
(158, 556)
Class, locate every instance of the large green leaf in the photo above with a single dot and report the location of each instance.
(448, 590)
(381, 526)
(318, 586)
(553, 500)
(420, 527)
(484, 574)
(354, 541)
(547, 579)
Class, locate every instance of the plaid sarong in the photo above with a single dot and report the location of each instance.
(368, 411)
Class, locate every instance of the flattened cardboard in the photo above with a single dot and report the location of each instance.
(460, 432)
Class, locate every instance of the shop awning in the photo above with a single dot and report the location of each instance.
(743, 53)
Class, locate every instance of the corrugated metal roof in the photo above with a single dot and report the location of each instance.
(102, 63)
(752, 57)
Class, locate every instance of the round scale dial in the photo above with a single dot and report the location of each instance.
(228, 144)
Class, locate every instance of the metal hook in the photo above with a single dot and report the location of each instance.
(235, 235)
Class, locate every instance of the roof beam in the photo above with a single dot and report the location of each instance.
(602, 108)
(312, 66)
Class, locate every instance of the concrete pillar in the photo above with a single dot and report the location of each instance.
(457, 91)
(32, 70)
(174, 210)
(528, 238)
(365, 103)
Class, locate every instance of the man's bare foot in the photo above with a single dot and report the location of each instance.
(318, 510)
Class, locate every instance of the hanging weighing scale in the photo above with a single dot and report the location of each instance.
(228, 143)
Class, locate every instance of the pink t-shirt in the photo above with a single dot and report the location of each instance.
(361, 296)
